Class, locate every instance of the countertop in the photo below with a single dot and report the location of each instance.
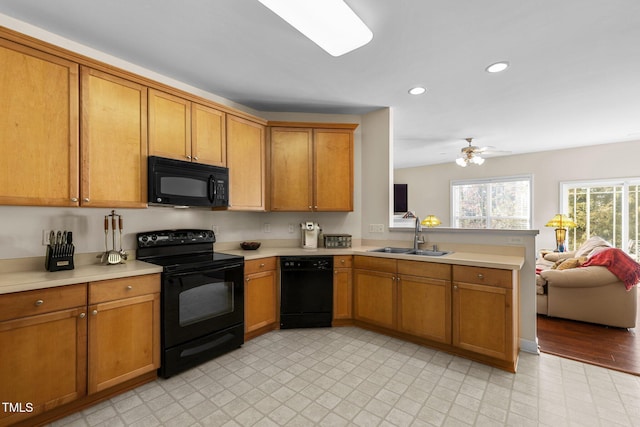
(475, 259)
(17, 281)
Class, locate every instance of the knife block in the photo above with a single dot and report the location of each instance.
(59, 257)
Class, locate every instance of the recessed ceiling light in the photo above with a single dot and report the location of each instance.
(331, 24)
(497, 67)
(418, 90)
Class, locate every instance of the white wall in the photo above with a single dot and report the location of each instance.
(429, 185)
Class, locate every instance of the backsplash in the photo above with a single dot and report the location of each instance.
(22, 227)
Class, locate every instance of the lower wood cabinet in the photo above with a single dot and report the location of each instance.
(470, 311)
(342, 290)
(485, 314)
(374, 291)
(424, 300)
(70, 345)
(260, 297)
(43, 341)
(124, 330)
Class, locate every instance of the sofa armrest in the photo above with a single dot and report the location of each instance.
(580, 277)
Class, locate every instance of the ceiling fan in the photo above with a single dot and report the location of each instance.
(471, 154)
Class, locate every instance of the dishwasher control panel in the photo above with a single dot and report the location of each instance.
(306, 263)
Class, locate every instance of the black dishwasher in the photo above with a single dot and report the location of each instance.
(306, 291)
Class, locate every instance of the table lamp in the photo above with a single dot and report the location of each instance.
(430, 221)
(561, 222)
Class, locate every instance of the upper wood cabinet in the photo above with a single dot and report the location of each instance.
(246, 160)
(182, 130)
(114, 141)
(38, 128)
(311, 166)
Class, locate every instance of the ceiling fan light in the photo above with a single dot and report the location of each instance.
(477, 160)
(461, 162)
(331, 24)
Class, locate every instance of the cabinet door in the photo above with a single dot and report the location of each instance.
(343, 294)
(43, 361)
(261, 301)
(482, 319)
(291, 169)
(124, 340)
(114, 141)
(333, 169)
(374, 296)
(246, 160)
(169, 126)
(38, 128)
(424, 307)
(208, 142)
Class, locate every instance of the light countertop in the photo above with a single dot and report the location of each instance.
(35, 278)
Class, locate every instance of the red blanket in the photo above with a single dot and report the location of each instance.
(618, 263)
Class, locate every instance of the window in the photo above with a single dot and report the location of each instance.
(605, 208)
(502, 203)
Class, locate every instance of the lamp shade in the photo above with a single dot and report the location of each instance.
(561, 221)
(430, 221)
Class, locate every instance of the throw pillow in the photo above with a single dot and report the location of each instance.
(570, 263)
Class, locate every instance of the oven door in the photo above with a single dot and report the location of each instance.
(201, 302)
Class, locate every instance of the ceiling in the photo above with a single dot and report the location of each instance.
(574, 77)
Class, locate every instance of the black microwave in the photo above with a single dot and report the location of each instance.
(179, 183)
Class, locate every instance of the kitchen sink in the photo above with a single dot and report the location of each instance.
(429, 252)
(392, 250)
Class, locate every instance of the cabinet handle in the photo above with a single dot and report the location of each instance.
(309, 207)
(39, 303)
(262, 265)
(94, 312)
(315, 207)
(247, 279)
(188, 157)
(86, 199)
(129, 287)
(342, 261)
(455, 287)
(83, 315)
(480, 276)
(195, 158)
(74, 199)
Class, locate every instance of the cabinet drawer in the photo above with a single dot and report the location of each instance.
(109, 290)
(483, 276)
(40, 301)
(258, 265)
(375, 263)
(340, 261)
(425, 269)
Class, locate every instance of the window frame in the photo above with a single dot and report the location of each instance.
(491, 180)
(624, 182)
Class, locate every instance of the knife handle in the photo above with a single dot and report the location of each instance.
(120, 222)
(106, 223)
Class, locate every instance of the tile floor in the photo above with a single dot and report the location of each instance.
(351, 377)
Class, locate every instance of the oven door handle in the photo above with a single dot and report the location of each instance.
(210, 270)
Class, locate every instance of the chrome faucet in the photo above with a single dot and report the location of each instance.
(416, 238)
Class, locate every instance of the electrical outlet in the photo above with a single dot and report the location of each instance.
(266, 228)
(376, 228)
(291, 229)
(45, 237)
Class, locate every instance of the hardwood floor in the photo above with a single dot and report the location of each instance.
(614, 348)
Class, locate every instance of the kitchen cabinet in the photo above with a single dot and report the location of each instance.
(39, 133)
(124, 330)
(485, 312)
(114, 141)
(424, 300)
(260, 297)
(374, 291)
(342, 290)
(43, 338)
(184, 130)
(246, 159)
(311, 167)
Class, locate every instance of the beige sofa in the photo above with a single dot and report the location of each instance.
(588, 294)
